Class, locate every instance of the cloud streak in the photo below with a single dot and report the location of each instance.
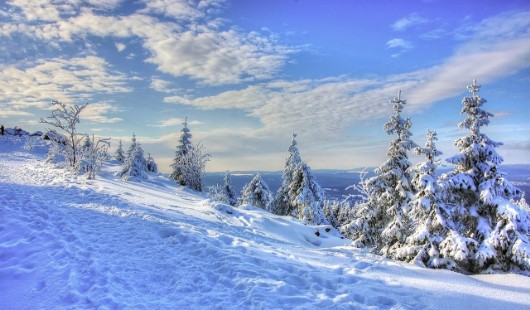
(409, 21)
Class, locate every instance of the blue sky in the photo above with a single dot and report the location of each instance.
(249, 73)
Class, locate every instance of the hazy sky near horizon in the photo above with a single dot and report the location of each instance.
(248, 74)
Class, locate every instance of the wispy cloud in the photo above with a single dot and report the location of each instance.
(68, 80)
(97, 112)
(400, 45)
(192, 44)
(409, 21)
(161, 85)
(175, 122)
(11, 113)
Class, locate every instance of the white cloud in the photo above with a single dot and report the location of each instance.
(96, 112)
(191, 45)
(104, 4)
(37, 10)
(161, 85)
(12, 113)
(487, 54)
(120, 47)
(69, 80)
(409, 21)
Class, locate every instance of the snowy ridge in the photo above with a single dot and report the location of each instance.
(71, 243)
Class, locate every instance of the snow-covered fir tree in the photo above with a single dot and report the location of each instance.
(281, 203)
(428, 215)
(183, 148)
(256, 193)
(300, 194)
(118, 154)
(229, 190)
(151, 165)
(490, 232)
(381, 221)
(135, 166)
(224, 193)
(340, 213)
(307, 197)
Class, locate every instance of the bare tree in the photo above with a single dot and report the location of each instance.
(66, 118)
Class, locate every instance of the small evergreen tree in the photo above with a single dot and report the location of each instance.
(118, 155)
(381, 221)
(151, 165)
(490, 232)
(225, 193)
(230, 194)
(135, 166)
(256, 193)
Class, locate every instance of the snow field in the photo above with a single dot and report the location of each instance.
(70, 243)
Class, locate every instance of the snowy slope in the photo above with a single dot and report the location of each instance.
(70, 243)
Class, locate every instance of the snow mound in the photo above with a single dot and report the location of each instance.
(71, 243)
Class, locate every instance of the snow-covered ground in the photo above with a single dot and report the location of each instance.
(71, 243)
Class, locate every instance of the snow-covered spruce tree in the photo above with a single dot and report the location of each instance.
(66, 118)
(135, 166)
(118, 155)
(307, 197)
(151, 165)
(183, 148)
(429, 216)
(491, 233)
(381, 221)
(300, 194)
(281, 203)
(230, 194)
(256, 193)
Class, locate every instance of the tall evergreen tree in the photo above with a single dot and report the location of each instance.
(381, 221)
(307, 197)
(282, 202)
(118, 155)
(429, 215)
(300, 194)
(184, 147)
(490, 232)
(257, 193)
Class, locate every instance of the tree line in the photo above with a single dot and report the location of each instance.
(470, 219)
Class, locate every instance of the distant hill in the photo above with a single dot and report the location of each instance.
(335, 182)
